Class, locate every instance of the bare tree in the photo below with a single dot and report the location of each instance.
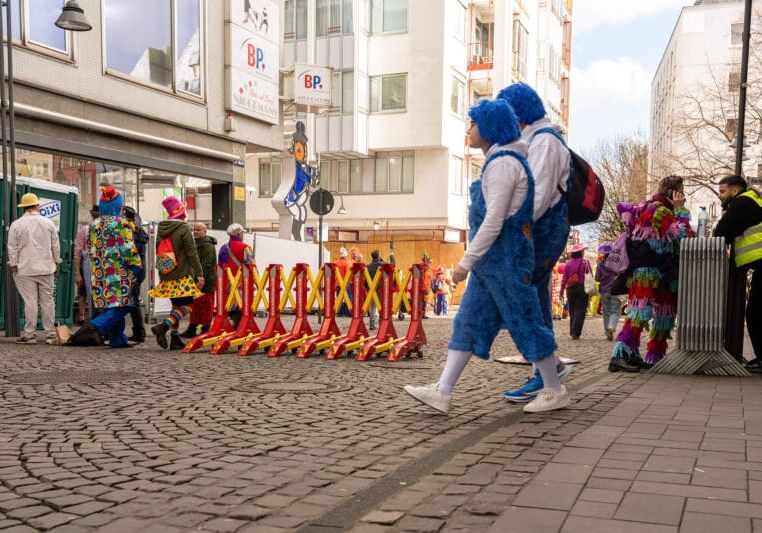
(622, 164)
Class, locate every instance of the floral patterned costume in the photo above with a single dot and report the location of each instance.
(112, 258)
(656, 229)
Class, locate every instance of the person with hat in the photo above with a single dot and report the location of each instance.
(428, 277)
(180, 273)
(441, 286)
(573, 283)
(500, 257)
(201, 313)
(741, 224)
(655, 229)
(611, 304)
(140, 238)
(82, 268)
(115, 267)
(34, 257)
(233, 255)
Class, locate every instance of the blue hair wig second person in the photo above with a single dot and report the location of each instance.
(496, 121)
(525, 102)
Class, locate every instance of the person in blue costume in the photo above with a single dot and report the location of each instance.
(500, 256)
(550, 161)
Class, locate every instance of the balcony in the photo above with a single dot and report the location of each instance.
(480, 55)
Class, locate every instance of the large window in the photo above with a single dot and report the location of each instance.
(394, 172)
(269, 177)
(456, 175)
(388, 15)
(388, 93)
(520, 49)
(736, 34)
(342, 92)
(139, 42)
(333, 17)
(458, 97)
(295, 18)
(33, 23)
(343, 176)
(460, 21)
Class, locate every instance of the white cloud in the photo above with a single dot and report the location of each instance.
(608, 97)
(590, 14)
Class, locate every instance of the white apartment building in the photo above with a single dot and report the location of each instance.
(404, 74)
(694, 101)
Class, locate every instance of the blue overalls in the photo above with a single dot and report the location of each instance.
(500, 293)
(551, 233)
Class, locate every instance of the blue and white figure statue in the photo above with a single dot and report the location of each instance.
(290, 200)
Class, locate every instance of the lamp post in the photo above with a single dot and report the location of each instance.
(72, 18)
(746, 38)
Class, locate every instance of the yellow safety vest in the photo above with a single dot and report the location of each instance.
(748, 247)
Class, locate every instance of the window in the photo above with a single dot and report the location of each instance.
(342, 92)
(301, 19)
(142, 47)
(731, 127)
(321, 17)
(288, 19)
(343, 176)
(458, 97)
(33, 23)
(520, 51)
(554, 65)
(734, 81)
(736, 34)
(346, 16)
(388, 93)
(388, 15)
(459, 21)
(456, 175)
(394, 172)
(269, 177)
(476, 171)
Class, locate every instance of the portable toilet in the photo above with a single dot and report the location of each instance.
(59, 203)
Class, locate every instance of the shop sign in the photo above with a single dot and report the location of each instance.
(51, 209)
(254, 60)
(239, 193)
(312, 85)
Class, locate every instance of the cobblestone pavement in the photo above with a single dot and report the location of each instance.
(145, 440)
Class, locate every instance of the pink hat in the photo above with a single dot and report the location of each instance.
(577, 248)
(174, 207)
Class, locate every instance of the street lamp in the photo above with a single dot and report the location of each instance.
(73, 19)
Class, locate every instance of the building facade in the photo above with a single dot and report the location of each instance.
(143, 101)
(392, 146)
(694, 102)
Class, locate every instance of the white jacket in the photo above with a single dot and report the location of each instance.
(33, 245)
(549, 160)
(504, 185)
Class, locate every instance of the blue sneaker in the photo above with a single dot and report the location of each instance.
(527, 392)
(533, 386)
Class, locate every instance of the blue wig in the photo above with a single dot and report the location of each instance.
(525, 102)
(112, 208)
(496, 121)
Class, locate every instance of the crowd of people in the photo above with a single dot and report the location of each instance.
(519, 229)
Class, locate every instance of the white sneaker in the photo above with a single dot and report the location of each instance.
(549, 400)
(429, 395)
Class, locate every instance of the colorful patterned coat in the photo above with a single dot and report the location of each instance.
(114, 263)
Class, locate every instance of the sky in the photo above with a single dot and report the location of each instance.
(616, 48)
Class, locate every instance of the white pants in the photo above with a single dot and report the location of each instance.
(34, 290)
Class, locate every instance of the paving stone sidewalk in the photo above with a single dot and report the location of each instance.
(149, 440)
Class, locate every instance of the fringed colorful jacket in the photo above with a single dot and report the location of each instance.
(655, 227)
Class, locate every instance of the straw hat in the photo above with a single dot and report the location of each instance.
(29, 199)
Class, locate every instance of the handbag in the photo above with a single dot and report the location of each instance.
(591, 288)
(63, 335)
(618, 260)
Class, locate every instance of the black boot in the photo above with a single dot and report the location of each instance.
(160, 330)
(176, 343)
(87, 335)
(190, 332)
(618, 364)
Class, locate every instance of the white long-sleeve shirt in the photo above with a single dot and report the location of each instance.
(549, 160)
(33, 245)
(504, 186)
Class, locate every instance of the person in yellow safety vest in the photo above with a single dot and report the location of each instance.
(741, 224)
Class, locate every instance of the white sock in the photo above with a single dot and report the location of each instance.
(555, 357)
(456, 362)
(547, 368)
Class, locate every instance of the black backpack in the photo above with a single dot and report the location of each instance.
(586, 194)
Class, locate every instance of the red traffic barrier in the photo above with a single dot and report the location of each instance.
(415, 339)
(301, 327)
(357, 333)
(273, 326)
(247, 326)
(220, 323)
(329, 329)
